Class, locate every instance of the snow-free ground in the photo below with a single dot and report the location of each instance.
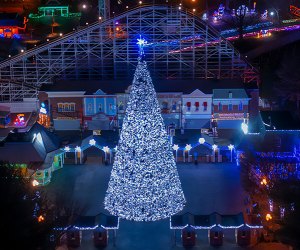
(208, 188)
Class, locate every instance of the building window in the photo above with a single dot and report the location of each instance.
(220, 106)
(229, 107)
(100, 108)
(60, 107)
(72, 107)
(188, 104)
(174, 106)
(110, 106)
(66, 107)
(164, 105)
(204, 106)
(90, 107)
(240, 106)
(197, 106)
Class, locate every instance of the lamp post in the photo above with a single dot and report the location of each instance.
(78, 152)
(175, 147)
(231, 147)
(244, 127)
(188, 148)
(35, 183)
(66, 149)
(106, 150)
(214, 147)
(272, 13)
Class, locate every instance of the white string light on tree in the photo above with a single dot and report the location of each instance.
(144, 183)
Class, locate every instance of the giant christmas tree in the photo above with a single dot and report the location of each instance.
(144, 183)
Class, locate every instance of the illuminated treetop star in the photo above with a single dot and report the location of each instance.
(141, 42)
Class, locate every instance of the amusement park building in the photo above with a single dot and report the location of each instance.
(102, 105)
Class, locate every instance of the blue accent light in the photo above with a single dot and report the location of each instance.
(16, 36)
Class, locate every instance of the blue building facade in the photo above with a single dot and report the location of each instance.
(100, 111)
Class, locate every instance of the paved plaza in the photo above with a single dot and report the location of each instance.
(208, 188)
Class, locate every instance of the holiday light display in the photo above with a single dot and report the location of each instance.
(144, 183)
(20, 120)
(44, 117)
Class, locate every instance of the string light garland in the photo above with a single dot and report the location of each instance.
(144, 183)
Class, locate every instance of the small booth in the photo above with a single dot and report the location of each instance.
(244, 231)
(105, 223)
(189, 236)
(254, 225)
(96, 227)
(185, 223)
(201, 152)
(243, 236)
(188, 224)
(74, 236)
(60, 230)
(100, 237)
(216, 236)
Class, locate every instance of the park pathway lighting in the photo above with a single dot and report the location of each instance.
(214, 147)
(106, 150)
(231, 147)
(264, 182)
(188, 147)
(244, 127)
(35, 183)
(268, 217)
(78, 154)
(41, 218)
(175, 147)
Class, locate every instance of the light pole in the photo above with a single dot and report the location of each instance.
(277, 14)
(244, 127)
(106, 150)
(188, 148)
(175, 147)
(35, 183)
(78, 152)
(214, 147)
(231, 147)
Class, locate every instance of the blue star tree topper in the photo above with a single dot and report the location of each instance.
(141, 43)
